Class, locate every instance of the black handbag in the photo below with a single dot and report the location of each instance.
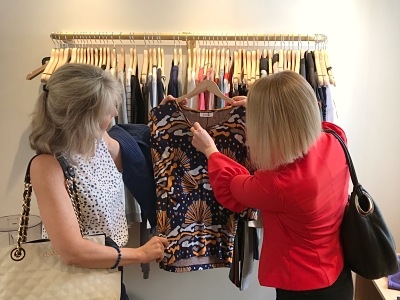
(368, 245)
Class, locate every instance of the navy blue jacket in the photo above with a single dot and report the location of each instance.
(137, 174)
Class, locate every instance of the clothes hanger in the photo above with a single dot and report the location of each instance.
(66, 56)
(203, 55)
(175, 52)
(298, 52)
(244, 65)
(275, 65)
(101, 56)
(218, 61)
(323, 65)
(135, 57)
(205, 85)
(90, 52)
(264, 52)
(145, 66)
(36, 72)
(318, 63)
(108, 58)
(285, 56)
(328, 64)
(122, 61)
(281, 59)
(180, 56)
(253, 64)
(48, 72)
(258, 55)
(159, 54)
(134, 53)
(113, 54)
(269, 59)
(249, 65)
(293, 55)
(84, 52)
(130, 65)
(198, 61)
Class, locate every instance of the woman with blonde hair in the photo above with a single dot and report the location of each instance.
(70, 120)
(300, 188)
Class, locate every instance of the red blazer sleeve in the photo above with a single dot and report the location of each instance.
(235, 189)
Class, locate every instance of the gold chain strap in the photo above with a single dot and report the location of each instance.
(73, 195)
(26, 205)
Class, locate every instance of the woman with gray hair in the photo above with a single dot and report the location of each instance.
(300, 188)
(70, 120)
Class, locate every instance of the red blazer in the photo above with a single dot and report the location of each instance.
(302, 207)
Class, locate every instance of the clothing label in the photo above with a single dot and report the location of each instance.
(206, 115)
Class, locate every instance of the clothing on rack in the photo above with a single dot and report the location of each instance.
(180, 78)
(173, 81)
(199, 230)
(138, 176)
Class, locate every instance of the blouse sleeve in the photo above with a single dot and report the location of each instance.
(235, 189)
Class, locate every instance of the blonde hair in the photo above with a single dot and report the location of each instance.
(282, 119)
(67, 117)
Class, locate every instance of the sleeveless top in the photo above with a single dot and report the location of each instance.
(100, 190)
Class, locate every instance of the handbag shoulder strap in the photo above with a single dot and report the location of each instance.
(352, 170)
(69, 175)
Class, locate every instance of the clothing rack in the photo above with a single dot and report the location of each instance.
(188, 37)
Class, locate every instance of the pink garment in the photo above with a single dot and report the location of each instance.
(202, 105)
(210, 96)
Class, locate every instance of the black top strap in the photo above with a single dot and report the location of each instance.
(68, 170)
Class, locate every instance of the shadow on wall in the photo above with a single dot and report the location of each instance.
(21, 159)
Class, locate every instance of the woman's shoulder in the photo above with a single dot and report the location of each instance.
(335, 128)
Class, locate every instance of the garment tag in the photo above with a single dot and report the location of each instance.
(206, 115)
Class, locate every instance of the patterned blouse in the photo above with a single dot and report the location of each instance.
(200, 231)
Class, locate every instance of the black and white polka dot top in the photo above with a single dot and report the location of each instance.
(100, 189)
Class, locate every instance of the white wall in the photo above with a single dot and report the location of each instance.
(365, 54)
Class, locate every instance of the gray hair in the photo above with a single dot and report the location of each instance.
(67, 117)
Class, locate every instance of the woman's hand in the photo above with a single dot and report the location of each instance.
(202, 141)
(153, 250)
(171, 98)
(239, 101)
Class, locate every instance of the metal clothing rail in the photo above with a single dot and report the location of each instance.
(188, 36)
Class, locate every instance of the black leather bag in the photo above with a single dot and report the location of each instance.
(368, 245)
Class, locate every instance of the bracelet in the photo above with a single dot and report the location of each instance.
(119, 256)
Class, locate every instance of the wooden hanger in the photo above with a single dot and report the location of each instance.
(114, 59)
(214, 58)
(257, 64)
(180, 55)
(269, 61)
(122, 62)
(48, 65)
(289, 60)
(36, 72)
(217, 63)
(297, 67)
(222, 62)
(253, 66)
(318, 68)
(235, 80)
(244, 66)
(281, 59)
(150, 66)
(145, 66)
(202, 57)
(66, 58)
(249, 67)
(108, 58)
(239, 69)
(285, 60)
(329, 68)
(100, 61)
(53, 65)
(95, 56)
(293, 59)
(154, 58)
(325, 77)
(205, 85)
(227, 60)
